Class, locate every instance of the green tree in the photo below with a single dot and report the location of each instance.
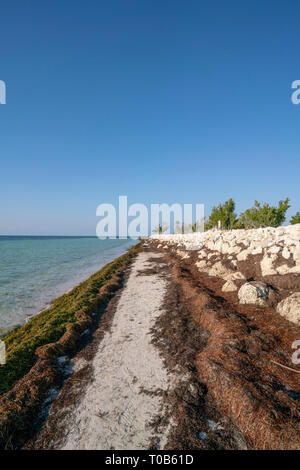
(264, 215)
(295, 219)
(223, 212)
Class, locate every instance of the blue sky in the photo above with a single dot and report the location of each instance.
(162, 101)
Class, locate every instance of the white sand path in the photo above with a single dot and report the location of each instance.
(115, 412)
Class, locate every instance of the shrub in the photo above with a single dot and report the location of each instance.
(295, 219)
(264, 215)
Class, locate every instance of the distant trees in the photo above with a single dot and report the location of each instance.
(224, 216)
(261, 214)
(160, 229)
(225, 213)
(198, 226)
(295, 219)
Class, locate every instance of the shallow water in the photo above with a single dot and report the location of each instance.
(36, 270)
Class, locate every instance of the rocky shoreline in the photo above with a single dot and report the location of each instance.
(262, 266)
(243, 289)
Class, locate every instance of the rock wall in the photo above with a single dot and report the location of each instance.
(261, 265)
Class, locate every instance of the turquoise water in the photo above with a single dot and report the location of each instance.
(36, 270)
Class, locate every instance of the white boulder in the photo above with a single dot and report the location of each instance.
(290, 308)
(257, 293)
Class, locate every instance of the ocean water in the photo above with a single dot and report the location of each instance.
(36, 270)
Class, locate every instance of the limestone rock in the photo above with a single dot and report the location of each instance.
(257, 293)
(182, 254)
(274, 249)
(243, 255)
(283, 269)
(257, 251)
(286, 253)
(296, 254)
(290, 308)
(267, 268)
(229, 286)
(295, 269)
(274, 245)
(234, 276)
(219, 270)
(201, 265)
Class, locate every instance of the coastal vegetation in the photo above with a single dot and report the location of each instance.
(224, 216)
(261, 214)
(295, 219)
(264, 215)
(225, 213)
(50, 325)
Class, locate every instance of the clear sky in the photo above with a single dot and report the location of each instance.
(161, 100)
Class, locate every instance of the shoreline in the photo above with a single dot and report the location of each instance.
(50, 325)
(5, 330)
(217, 321)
